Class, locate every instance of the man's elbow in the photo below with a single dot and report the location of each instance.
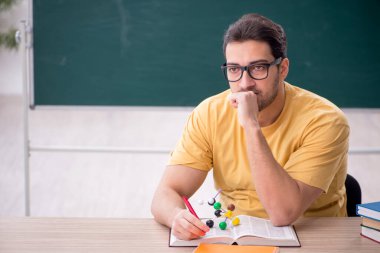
(281, 221)
(154, 209)
(284, 217)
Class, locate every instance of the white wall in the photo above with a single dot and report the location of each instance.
(10, 61)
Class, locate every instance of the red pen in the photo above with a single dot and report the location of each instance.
(188, 205)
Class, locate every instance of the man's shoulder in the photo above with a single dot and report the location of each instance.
(314, 106)
(301, 95)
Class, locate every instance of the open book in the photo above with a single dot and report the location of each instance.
(251, 231)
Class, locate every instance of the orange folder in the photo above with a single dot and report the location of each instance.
(223, 248)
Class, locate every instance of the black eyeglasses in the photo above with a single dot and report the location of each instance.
(257, 71)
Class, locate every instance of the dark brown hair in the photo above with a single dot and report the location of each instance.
(256, 27)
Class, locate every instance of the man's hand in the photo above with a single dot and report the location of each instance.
(246, 103)
(167, 204)
(187, 227)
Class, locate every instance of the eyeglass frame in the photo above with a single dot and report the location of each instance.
(245, 68)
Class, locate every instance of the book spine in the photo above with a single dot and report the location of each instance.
(369, 238)
(370, 228)
(361, 215)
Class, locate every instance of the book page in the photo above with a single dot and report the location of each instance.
(252, 226)
(217, 232)
(215, 235)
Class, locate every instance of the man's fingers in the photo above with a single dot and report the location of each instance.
(186, 226)
(191, 228)
(242, 98)
(233, 100)
(184, 235)
(184, 230)
(196, 222)
(179, 230)
(234, 103)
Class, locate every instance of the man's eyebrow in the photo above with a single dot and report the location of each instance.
(232, 63)
(252, 62)
(259, 61)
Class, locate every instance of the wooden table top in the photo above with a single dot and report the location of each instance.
(31, 234)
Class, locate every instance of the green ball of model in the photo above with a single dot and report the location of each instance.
(217, 205)
(223, 225)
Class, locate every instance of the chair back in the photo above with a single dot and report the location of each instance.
(354, 195)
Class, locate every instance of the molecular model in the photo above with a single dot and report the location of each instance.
(219, 211)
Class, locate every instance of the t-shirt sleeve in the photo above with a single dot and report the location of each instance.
(194, 147)
(322, 153)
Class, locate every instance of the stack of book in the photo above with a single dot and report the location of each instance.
(370, 213)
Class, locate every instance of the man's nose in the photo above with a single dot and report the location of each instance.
(246, 81)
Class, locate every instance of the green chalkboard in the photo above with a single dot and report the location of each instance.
(169, 52)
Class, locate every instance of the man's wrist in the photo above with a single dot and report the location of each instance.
(252, 126)
(173, 215)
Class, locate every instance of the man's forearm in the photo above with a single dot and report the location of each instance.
(278, 192)
(166, 204)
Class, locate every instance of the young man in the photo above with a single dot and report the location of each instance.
(276, 150)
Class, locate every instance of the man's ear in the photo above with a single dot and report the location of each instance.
(284, 68)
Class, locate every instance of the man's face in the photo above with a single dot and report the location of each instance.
(248, 52)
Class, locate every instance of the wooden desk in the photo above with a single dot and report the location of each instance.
(145, 235)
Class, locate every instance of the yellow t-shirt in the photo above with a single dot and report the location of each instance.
(309, 140)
